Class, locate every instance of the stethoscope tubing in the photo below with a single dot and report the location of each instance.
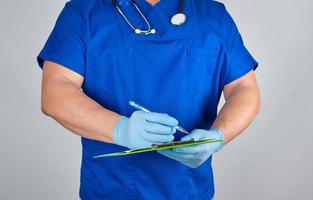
(182, 6)
(149, 29)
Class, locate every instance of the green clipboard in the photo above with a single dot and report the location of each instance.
(155, 147)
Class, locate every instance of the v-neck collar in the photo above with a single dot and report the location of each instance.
(168, 5)
(159, 17)
(164, 4)
(145, 1)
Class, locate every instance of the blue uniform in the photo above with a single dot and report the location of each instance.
(180, 70)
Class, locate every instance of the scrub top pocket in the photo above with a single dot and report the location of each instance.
(200, 66)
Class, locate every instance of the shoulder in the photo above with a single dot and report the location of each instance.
(215, 16)
(215, 6)
(209, 11)
(83, 7)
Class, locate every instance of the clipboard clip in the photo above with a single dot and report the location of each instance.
(172, 143)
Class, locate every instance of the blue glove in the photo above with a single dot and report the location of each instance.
(194, 156)
(143, 129)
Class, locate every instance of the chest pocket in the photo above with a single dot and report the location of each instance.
(201, 63)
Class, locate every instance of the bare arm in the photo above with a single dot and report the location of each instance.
(63, 100)
(242, 104)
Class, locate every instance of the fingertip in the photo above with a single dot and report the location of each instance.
(175, 121)
(186, 138)
(172, 137)
(196, 134)
(171, 120)
(173, 130)
(195, 131)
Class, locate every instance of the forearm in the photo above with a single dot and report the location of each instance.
(238, 112)
(68, 105)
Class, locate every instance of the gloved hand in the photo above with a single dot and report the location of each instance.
(194, 156)
(143, 129)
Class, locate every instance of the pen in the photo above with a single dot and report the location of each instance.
(139, 107)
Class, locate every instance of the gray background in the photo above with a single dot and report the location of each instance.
(271, 160)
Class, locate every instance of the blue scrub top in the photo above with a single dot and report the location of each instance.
(181, 71)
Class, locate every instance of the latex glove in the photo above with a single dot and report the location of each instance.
(194, 156)
(143, 129)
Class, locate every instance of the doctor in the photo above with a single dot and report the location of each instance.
(103, 53)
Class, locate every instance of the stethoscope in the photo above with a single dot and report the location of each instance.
(178, 19)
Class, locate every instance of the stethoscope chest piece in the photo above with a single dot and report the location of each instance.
(178, 19)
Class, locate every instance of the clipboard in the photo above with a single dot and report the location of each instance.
(156, 147)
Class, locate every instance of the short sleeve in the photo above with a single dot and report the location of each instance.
(238, 59)
(66, 44)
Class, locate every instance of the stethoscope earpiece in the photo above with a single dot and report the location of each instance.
(141, 32)
(153, 31)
